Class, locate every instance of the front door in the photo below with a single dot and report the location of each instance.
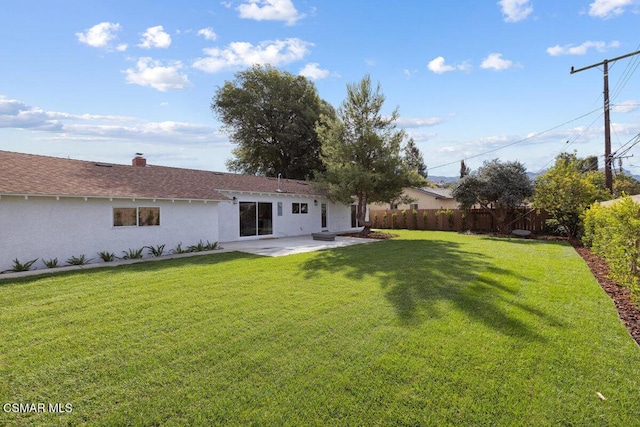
(323, 214)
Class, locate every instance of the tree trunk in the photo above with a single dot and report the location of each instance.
(362, 215)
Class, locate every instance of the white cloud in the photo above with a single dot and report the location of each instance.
(515, 10)
(313, 71)
(16, 114)
(100, 35)
(149, 72)
(608, 8)
(582, 49)
(244, 54)
(208, 34)
(625, 106)
(418, 122)
(122, 47)
(270, 10)
(494, 61)
(438, 66)
(155, 37)
(19, 115)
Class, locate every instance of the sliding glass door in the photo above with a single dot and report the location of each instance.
(256, 219)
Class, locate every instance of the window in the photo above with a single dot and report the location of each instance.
(256, 219)
(148, 216)
(299, 208)
(393, 206)
(323, 215)
(354, 216)
(279, 208)
(414, 206)
(136, 217)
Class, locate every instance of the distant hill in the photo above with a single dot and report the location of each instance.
(446, 180)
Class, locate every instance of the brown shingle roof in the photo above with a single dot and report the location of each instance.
(28, 174)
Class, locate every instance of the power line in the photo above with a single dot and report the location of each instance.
(607, 121)
(515, 142)
(568, 144)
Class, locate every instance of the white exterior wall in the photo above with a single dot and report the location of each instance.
(289, 224)
(46, 228)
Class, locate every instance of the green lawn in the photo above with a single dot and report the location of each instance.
(433, 328)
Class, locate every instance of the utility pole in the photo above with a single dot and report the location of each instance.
(607, 122)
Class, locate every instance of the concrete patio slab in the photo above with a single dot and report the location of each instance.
(291, 245)
(265, 247)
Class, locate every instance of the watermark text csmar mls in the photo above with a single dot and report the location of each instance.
(37, 407)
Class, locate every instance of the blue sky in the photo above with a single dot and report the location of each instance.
(472, 79)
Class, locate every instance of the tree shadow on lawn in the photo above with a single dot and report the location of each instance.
(419, 275)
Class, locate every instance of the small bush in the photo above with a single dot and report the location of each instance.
(156, 250)
(179, 250)
(52, 263)
(614, 234)
(133, 253)
(107, 256)
(81, 260)
(18, 266)
(211, 246)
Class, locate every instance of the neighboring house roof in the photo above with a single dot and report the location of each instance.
(608, 203)
(28, 174)
(438, 193)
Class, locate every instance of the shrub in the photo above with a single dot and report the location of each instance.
(404, 218)
(449, 214)
(178, 249)
(156, 250)
(424, 219)
(18, 266)
(394, 220)
(52, 263)
(385, 224)
(81, 260)
(133, 254)
(107, 256)
(614, 234)
(414, 215)
(211, 246)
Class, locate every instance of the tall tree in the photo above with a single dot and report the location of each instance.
(568, 188)
(497, 187)
(464, 169)
(271, 115)
(414, 159)
(362, 151)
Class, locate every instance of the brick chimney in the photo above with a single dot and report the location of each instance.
(139, 161)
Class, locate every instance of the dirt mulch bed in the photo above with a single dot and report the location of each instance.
(373, 235)
(628, 311)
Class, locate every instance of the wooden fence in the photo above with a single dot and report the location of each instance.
(456, 220)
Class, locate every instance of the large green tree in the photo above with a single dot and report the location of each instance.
(415, 160)
(362, 152)
(569, 187)
(271, 116)
(497, 187)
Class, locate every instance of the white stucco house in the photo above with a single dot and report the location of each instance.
(58, 208)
